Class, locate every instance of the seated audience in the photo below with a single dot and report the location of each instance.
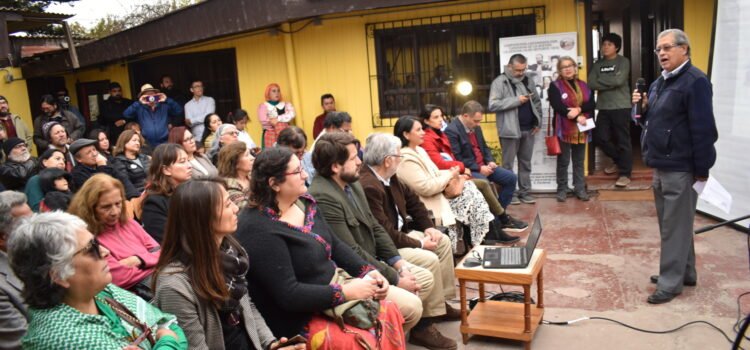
(14, 316)
(71, 300)
(169, 168)
(130, 161)
(132, 252)
(295, 139)
(438, 148)
(240, 118)
(51, 158)
(401, 213)
(90, 162)
(20, 165)
(334, 121)
(235, 165)
(421, 175)
(225, 134)
(212, 123)
(202, 166)
(55, 184)
(344, 206)
(3, 137)
(274, 114)
(102, 144)
(294, 257)
(200, 277)
(469, 147)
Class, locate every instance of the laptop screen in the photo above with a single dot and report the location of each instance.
(533, 237)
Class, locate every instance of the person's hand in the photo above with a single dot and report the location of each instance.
(100, 160)
(467, 171)
(492, 165)
(455, 171)
(131, 261)
(428, 243)
(162, 97)
(279, 345)
(434, 233)
(273, 120)
(485, 170)
(638, 97)
(573, 112)
(120, 123)
(382, 283)
(534, 131)
(407, 281)
(581, 119)
(700, 178)
(523, 98)
(165, 331)
(359, 288)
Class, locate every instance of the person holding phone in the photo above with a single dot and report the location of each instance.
(153, 111)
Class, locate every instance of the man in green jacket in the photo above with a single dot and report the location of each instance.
(609, 77)
(342, 202)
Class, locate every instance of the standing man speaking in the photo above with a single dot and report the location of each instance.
(679, 132)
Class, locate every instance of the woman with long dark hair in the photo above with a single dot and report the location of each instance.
(169, 168)
(200, 277)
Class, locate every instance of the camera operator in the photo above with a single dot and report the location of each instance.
(153, 111)
(63, 99)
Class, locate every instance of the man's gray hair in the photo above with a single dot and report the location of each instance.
(8, 201)
(52, 235)
(379, 146)
(680, 38)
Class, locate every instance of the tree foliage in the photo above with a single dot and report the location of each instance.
(31, 5)
(137, 15)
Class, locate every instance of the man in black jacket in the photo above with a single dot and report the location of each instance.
(112, 109)
(679, 132)
(20, 165)
(90, 162)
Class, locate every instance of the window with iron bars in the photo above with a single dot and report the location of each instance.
(418, 62)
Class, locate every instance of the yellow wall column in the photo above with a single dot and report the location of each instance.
(291, 67)
(18, 97)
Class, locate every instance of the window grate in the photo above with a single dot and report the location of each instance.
(413, 63)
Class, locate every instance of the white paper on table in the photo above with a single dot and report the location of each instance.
(589, 125)
(714, 193)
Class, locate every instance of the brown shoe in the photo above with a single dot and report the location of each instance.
(451, 313)
(610, 169)
(429, 337)
(623, 181)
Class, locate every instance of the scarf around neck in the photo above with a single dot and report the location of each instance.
(234, 263)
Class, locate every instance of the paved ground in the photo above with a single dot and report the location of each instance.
(600, 256)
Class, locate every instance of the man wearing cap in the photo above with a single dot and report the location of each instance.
(113, 108)
(19, 166)
(152, 111)
(90, 162)
(14, 126)
(51, 112)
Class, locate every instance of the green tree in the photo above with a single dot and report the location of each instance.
(31, 5)
(137, 15)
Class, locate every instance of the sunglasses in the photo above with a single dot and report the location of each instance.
(92, 249)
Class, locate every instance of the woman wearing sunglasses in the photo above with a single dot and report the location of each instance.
(132, 252)
(201, 274)
(72, 303)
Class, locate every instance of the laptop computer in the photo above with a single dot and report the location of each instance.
(513, 257)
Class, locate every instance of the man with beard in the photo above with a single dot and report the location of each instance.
(51, 112)
(112, 111)
(344, 206)
(14, 126)
(518, 116)
(63, 98)
(167, 87)
(19, 166)
(57, 138)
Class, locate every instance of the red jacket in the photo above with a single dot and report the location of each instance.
(436, 144)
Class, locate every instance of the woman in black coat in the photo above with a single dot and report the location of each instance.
(130, 161)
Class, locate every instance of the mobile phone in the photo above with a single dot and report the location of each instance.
(297, 339)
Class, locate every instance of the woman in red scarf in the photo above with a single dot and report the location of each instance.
(573, 103)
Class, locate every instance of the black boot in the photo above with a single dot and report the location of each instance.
(497, 235)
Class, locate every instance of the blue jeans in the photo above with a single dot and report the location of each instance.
(507, 181)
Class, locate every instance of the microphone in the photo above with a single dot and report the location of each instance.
(640, 85)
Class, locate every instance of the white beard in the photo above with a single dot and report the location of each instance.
(22, 158)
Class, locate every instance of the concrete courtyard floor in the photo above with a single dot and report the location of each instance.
(600, 255)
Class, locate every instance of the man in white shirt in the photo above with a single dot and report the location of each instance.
(197, 108)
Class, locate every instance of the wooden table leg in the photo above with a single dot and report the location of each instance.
(527, 308)
(464, 311)
(481, 292)
(540, 289)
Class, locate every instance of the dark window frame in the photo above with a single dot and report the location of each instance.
(395, 100)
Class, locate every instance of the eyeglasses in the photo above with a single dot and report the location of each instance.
(394, 156)
(665, 48)
(298, 171)
(93, 249)
(189, 139)
(569, 66)
(235, 133)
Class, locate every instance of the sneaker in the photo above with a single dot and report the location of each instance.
(515, 200)
(610, 169)
(562, 196)
(527, 199)
(583, 195)
(513, 225)
(431, 338)
(623, 181)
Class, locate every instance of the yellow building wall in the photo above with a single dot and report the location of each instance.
(699, 19)
(18, 98)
